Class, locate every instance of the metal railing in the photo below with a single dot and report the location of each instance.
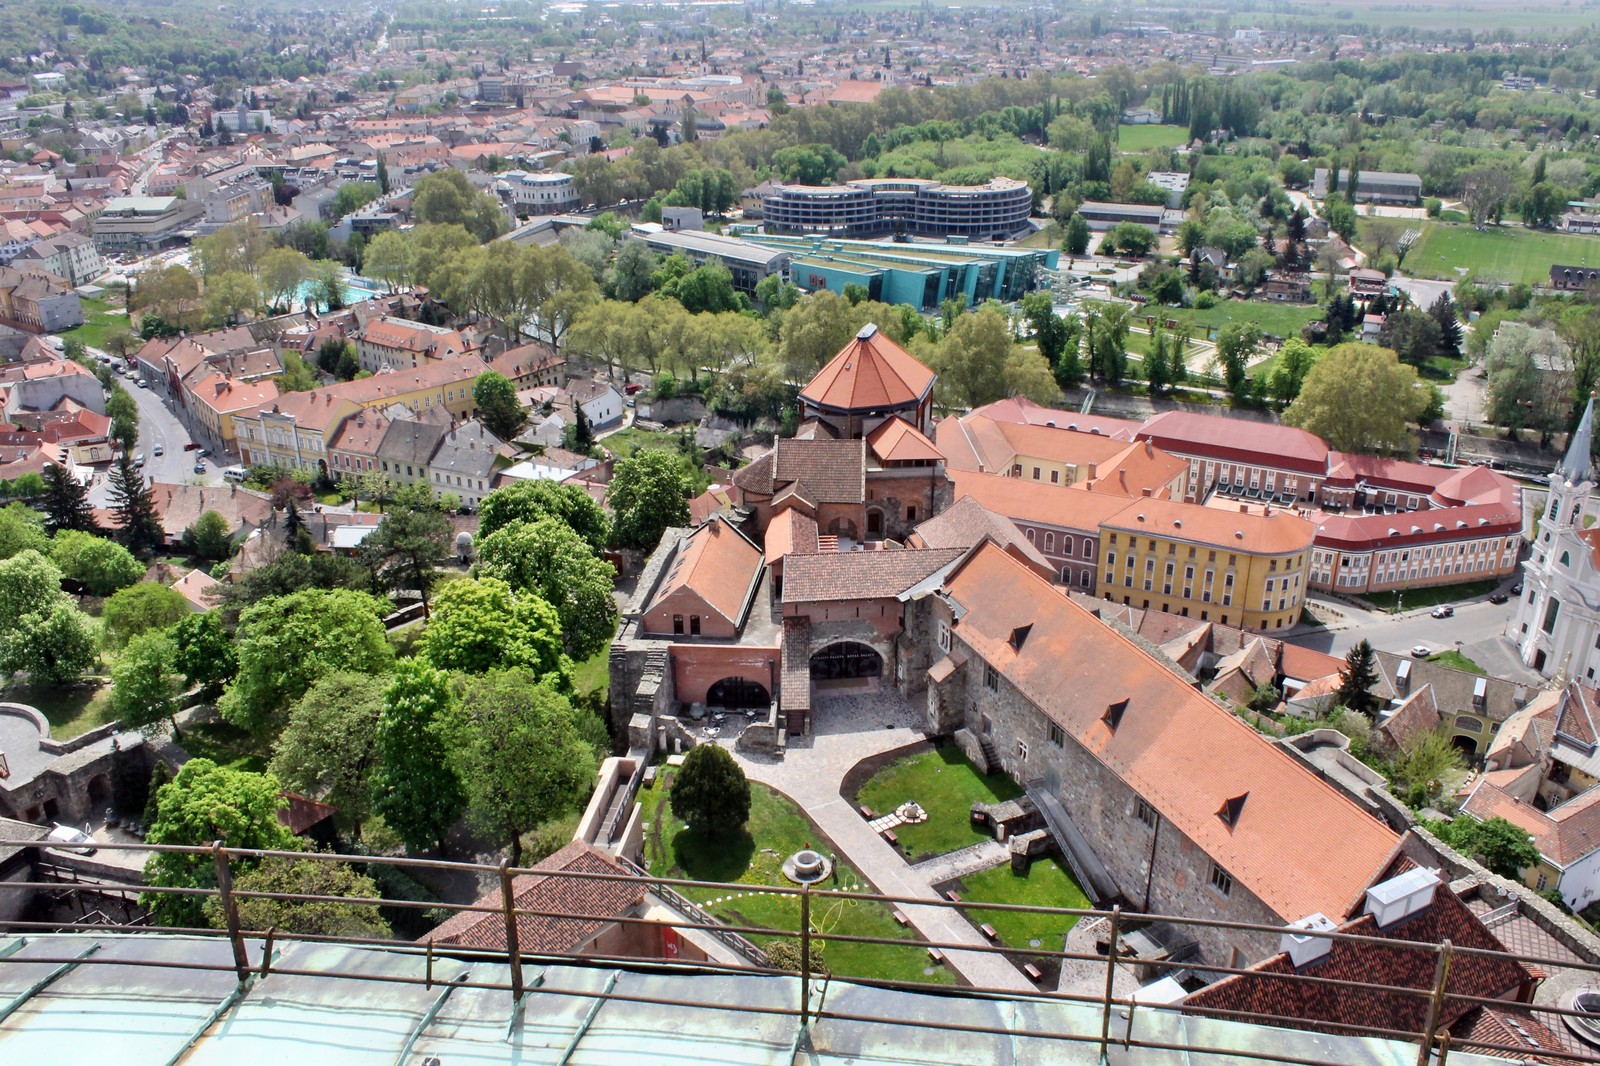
(1433, 1041)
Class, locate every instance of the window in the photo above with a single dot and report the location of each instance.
(1055, 477)
(1049, 542)
(677, 623)
(694, 625)
(1145, 813)
(1058, 736)
(991, 678)
(944, 636)
(1016, 469)
(1022, 751)
(1036, 473)
(1220, 880)
(1086, 579)
(1540, 885)
(911, 514)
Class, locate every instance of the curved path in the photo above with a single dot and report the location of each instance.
(849, 729)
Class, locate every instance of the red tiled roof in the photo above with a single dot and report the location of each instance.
(717, 563)
(832, 577)
(1174, 746)
(1238, 440)
(1374, 972)
(1280, 533)
(1362, 532)
(898, 441)
(871, 373)
(1563, 835)
(547, 890)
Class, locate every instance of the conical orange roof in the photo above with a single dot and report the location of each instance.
(871, 373)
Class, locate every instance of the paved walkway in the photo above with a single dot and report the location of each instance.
(848, 729)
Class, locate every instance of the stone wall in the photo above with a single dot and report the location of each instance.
(1105, 809)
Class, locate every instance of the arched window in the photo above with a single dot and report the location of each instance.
(1566, 559)
(1471, 725)
(1049, 542)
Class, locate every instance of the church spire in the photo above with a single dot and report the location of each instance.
(1579, 456)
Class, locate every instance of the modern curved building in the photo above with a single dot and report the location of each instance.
(868, 207)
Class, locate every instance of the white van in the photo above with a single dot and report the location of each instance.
(69, 839)
(235, 473)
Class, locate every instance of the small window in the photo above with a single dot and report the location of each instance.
(991, 678)
(944, 636)
(1220, 880)
(1055, 477)
(1022, 751)
(677, 623)
(911, 514)
(1145, 813)
(1058, 736)
(1541, 884)
(694, 625)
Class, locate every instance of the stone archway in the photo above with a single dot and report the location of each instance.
(737, 693)
(846, 660)
(1467, 746)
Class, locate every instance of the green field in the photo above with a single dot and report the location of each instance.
(100, 320)
(945, 785)
(776, 829)
(1142, 138)
(1046, 884)
(1502, 253)
(1275, 319)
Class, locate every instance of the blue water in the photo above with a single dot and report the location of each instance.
(356, 289)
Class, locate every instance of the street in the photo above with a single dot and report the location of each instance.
(158, 426)
(1475, 630)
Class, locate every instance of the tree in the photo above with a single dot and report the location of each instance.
(1128, 238)
(145, 683)
(101, 566)
(205, 654)
(707, 288)
(327, 284)
(1289, 376)
(1413, 335)
(138, 525)
(305, 877)
(550, 560)
(1076, 239)
(823, 322)
(66, 501)
(448, 198)
(1360, 398)
(382, 175)
(407, 549)
(415, 789)
(1105, 338)
(286, 643)
(1430, 768)
(480, 625)
(807, 164)
(1444, 314)
(516, 747)
(1357, 679)
(498, 407)
(529, 501)
(207, 802)
(392, 258)
(628, 277)
(283, 272)
(21, 529)
(124, 415)
(329, 747)
(29, 582)
(710, 792)
(53, 646)
(1501, 846)
(1484, 191)
(1521, 395)
(208, 537)
(230, 295)
(1236, 347)
(140, 608)
(978, 363)
(648, 493)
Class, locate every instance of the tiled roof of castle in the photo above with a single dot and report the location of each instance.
(871, 373)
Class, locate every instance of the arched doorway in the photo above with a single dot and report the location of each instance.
(846, 661)
(99, 791)
(738, 692)
(874, 523)
(1467, 746)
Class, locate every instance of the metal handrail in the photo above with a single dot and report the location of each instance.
(224, 859)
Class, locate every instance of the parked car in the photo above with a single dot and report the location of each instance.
(199, 468)
(158, 451)
(1498, 597)
(1444, 612)
(1516, 590)
(69, 838)
(139, 382)
(1422, 651)
(138, 460)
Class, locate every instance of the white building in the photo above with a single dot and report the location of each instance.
(540, 192)
(1557, 624)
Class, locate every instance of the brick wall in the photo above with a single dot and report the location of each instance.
(696, 667)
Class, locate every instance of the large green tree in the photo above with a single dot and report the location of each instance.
(286, 643)
(52, 646)
(1501, 846)
(480, 625)
(407, 549)
(66, 501)
(1357, 680)
(1360, 398)
(648, 493)
(207, 802)
(102, 566)
(416, 789)
(140, 608)
(710, 792)
(519, 754)
(335, 917)
(979, 362)
(529, 501)
(138, 525)
(549, 560)
(145, 682)
(498, 407)
(20, 530)
(329, 748)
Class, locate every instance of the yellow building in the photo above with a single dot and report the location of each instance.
(1235, 567)
(216, 399)
(294, 430)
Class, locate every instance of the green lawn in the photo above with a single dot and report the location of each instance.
(777, 829)
(1504, 253)
(1458, 661)
(1046, 884)
(1141, 138)
(100, 320)
(224, 744)
(71, 709)
(946, 785)
(1275, 319)
(1411, 599)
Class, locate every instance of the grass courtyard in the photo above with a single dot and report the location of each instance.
(1046, 884)
(1143, 138)
(100, 320)
(70, 709)
(777, 828)
(1412, 599)
(1504, 253)
(946, 785)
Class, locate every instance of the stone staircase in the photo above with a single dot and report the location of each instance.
(1086, 866)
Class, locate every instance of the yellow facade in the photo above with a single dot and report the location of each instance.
(1215, 582)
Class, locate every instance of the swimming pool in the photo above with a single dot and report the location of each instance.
(356, 289)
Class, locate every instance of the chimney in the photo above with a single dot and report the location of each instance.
(1301, 948)
(1147, 493)
(1244, 508)
(1402, 896)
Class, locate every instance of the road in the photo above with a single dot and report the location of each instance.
(1476, 629)
(158, 426)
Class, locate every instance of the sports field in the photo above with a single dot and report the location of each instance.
(1502, 253)
(1140, 138)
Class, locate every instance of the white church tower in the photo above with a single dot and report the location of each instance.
(1557, 622)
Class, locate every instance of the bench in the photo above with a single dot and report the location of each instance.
(953, 896)
(988, 930)
(935, 954)
(900, 916)
(1033, 973)
(888, 834)
(867, 812)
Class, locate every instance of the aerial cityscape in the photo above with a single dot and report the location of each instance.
(799, 531)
